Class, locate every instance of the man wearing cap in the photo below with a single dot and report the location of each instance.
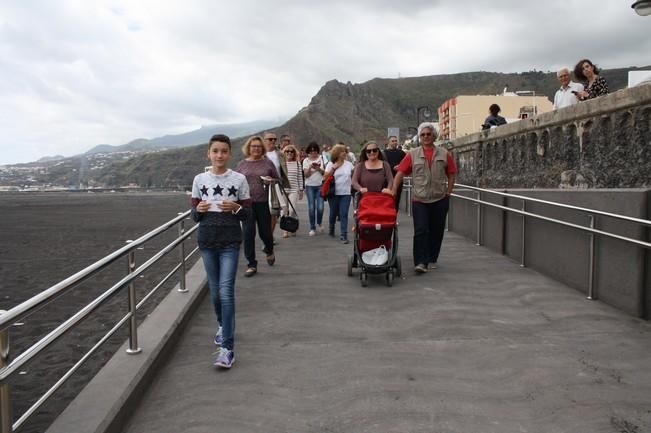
(433, 171)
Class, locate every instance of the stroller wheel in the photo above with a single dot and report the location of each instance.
(350, 265)
(390, 278)
(398, 266)
(364, 279)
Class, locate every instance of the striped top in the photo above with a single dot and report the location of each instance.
(295, 176)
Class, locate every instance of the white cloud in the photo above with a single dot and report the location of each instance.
(75, 73)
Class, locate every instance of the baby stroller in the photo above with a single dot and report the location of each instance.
(376, 231)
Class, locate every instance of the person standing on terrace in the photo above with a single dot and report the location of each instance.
(433, 172)
(568, 93)
(220, 202)
(595, 85)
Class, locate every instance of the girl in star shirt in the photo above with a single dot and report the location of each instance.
(220, 201)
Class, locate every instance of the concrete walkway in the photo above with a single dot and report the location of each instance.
(478, 345)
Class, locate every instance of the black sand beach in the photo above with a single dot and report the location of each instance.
(46, 237)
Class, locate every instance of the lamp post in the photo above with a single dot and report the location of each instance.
(427, 114)
(642, 7)
(533, 98)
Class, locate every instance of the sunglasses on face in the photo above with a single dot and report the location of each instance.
(376, 150)
(289, 151)
(271, 139)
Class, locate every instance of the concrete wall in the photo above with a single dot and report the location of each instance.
(622, 271)
(601, 143)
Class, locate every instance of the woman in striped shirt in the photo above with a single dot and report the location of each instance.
(296, 182)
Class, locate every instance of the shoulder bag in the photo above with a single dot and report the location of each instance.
(288, 223)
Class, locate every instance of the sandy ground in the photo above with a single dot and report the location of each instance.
(46, 237)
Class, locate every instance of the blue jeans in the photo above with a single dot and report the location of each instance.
(221, 267)
(339, 205)
(429, 225)
(314, 205)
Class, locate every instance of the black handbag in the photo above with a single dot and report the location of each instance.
(288, 223)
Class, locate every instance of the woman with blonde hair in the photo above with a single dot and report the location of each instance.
(259, 172)
(296, 182)
(342, 171)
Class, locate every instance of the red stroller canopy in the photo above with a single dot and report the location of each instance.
(376, 208)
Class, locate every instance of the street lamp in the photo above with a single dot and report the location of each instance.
(427, 114)
(642, 7)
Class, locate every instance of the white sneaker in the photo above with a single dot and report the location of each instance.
(319, 229)
(311, 233)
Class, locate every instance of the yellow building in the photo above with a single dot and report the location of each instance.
(465, 114)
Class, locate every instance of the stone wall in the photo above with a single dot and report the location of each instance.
(601, 143)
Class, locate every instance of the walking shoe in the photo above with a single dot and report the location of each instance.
(320, 229)
(311, 233)
(219, 338)
(343, 240)
(432, 266)
(285, 234)
(420, 268)
(225, 358)
(271, 259)
(250, 271)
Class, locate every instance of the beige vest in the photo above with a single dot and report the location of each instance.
(429, 184)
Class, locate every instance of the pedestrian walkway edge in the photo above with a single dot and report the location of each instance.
(109, 398)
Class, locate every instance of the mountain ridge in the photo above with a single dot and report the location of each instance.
(337, 112)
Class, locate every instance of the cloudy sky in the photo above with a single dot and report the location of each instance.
(76, 73)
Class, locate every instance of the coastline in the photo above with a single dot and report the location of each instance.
(46, 237)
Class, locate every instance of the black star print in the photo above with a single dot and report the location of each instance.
(218, 190)
(204, 190)
(232, 191)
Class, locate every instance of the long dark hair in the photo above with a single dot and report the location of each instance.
(364, 157)
(578, 69)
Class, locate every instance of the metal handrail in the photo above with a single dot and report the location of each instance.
(566, 206)
(60, 288)
(557, 221)
(593, 232)
(36, 302)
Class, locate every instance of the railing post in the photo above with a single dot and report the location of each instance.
(5, 391)
(478, 219)
(182, 288)
(591, 258)
(407, 188)
(448, 217)
(133, 324)
(524, 219)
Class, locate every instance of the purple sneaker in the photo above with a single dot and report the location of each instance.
(225, 358)
(219, 338)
